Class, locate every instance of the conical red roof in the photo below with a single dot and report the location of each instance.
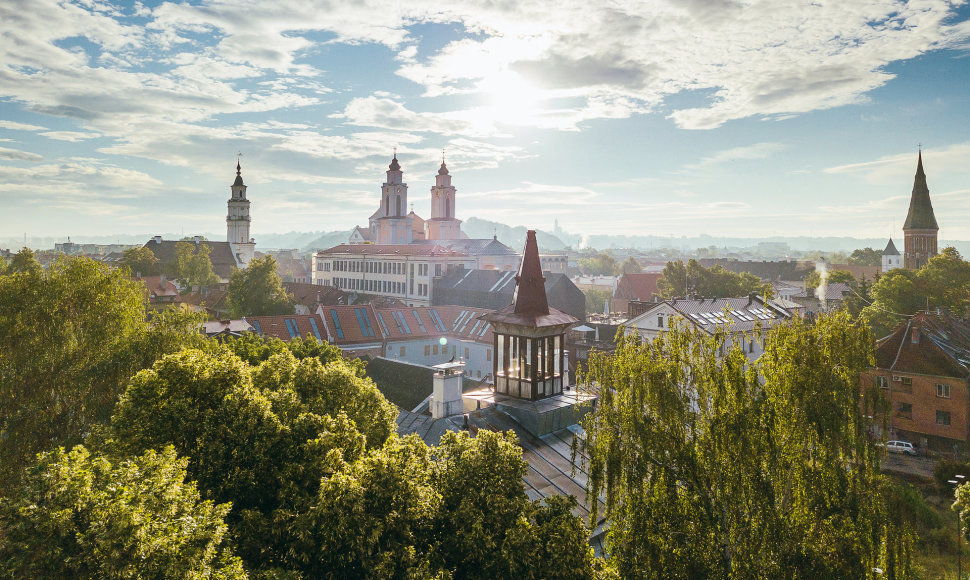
(530, 288)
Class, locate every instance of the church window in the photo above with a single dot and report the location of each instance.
(447, 207)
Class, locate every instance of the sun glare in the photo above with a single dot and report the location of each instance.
(510, 98)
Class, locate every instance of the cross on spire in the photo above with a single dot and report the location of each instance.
(238, 166)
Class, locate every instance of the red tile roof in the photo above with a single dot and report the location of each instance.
(288, 326)
(640, 287)
(941, 347)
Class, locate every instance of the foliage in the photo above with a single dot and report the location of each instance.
(258, 291)
(71, 335)
(944, 282)
(631, 266)
(866, 257)
(84, 516)
(599, 265)
(597, 299)
(713, 467)
(193, 266)
(962, 506)
(255, 349)
(458, 510)
(23, 262)
(259, 437)
(140, 260)
(693, 279)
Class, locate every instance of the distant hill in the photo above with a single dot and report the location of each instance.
(512, 236)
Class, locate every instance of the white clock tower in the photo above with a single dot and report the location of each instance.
(237, 223)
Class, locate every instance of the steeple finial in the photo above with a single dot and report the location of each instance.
(239, 179)
(394, 166)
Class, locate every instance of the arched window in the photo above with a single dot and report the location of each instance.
(398, 207)
(447, 206)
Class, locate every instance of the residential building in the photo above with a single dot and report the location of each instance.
(920, 229)
(743, 319)
(923, 369)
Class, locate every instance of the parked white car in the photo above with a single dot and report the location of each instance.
(901, 447)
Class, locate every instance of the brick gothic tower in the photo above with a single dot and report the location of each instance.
(920, 229)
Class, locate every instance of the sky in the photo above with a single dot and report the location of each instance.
(679, 117)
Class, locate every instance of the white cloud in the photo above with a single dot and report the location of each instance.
(17, 155)
(72, 136)
(15, 126)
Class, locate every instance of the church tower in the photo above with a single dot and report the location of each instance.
(920, 229)
(390, 224)
(237, 222)
(443, 225)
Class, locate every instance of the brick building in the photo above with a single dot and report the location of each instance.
(923, 369)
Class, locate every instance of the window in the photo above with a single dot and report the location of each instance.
(466, 353)
(905, 411)
(882, 382)
(660, 322)
(488, 354)
(435, 349)
(427, 350)
(907, 380)
(942, 391)
(943, 418)
(403, 351)
(751, 345)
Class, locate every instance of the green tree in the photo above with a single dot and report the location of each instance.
(70, 336)
(713, 467)
(259, 437)
(944, 282)
(84, 516)
(140, 260)
(193, 266)
(596, 299)
(599, 265)
(866, 257)
(258, 291)
(409, 511)
(23, 262)
(631, 266)
(693, 279)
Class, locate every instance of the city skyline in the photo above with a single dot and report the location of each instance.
(649, 118)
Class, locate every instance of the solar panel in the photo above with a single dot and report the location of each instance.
(256, 326)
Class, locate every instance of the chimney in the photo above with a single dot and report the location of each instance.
(157, 239)
(915, 335)
(161, 281)
(446, 390)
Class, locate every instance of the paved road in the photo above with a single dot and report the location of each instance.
(920, 466)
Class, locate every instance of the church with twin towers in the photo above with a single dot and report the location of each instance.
(398, 254)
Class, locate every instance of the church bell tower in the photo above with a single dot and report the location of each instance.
(237, 222)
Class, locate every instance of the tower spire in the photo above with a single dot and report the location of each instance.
(530, 287)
